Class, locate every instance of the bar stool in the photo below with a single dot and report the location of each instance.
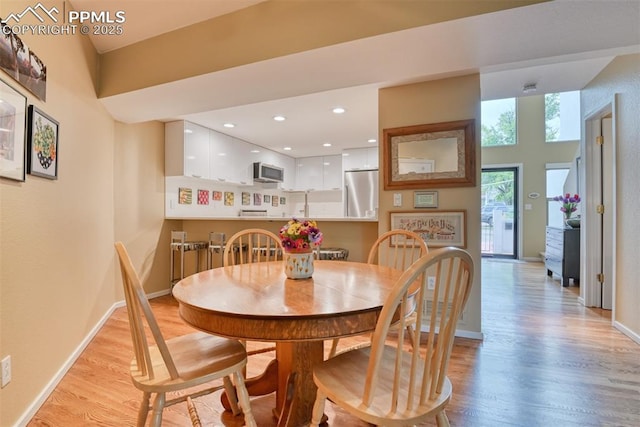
(180, 244)
(216, 245)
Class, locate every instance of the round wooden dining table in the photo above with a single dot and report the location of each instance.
(257, 302)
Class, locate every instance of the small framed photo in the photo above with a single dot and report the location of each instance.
(13, 118)
(425, 199)
(42, 137)
(437, 228)
(257, 199)
(266, 198)
(246, 198)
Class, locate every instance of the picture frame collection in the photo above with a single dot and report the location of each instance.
(30, 137)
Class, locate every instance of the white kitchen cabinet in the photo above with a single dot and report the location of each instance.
(309, 173)
(360, 158)
(319, 173)
(332, 172)
(230, 159)
(186, 150)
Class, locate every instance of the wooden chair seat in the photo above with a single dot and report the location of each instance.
(199, 358)
(343, 377)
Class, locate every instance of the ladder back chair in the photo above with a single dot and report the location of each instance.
(396, 249)
(252, 245)
(384, 384)
(180, 363)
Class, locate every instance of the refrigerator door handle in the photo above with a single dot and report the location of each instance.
(346, 200)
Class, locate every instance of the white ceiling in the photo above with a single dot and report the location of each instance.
(559, 45)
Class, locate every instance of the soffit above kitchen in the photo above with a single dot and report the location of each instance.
(553, 44)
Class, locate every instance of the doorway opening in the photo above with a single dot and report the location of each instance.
(499, 213)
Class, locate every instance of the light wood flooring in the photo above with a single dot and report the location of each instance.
(545, 361)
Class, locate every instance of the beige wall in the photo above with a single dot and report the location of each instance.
(139, 202)
(56, 246)
(58, 276)
(533, 153)
(434, 102)
(622, 77)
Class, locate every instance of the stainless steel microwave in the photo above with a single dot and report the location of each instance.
(263, 172)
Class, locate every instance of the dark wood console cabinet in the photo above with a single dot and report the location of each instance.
(562, 254)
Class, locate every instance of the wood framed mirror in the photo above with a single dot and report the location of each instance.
(430, 156)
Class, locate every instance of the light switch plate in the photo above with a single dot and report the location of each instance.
(397, 199)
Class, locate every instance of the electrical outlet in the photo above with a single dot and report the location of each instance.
(6, 371)
(431, 283)
(397, 199)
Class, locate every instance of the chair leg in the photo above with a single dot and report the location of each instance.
(171, 267)
(231, 395)
(158, 407)
(442, 420)
(243, 398)
(144, 409)
(318, 409)
(181, 262)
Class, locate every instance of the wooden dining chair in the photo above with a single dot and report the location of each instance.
(396, 249)
(252, 245)
(384, 384)
(181, 363)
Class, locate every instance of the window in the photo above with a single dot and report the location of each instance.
(562, 116)
(556, 176)
(498, 122)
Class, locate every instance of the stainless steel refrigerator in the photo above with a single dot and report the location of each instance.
(361, 193)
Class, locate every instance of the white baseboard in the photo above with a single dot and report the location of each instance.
(628, 332)
(44, 394)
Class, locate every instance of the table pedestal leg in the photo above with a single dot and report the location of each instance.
(265, 383)
(299, 357)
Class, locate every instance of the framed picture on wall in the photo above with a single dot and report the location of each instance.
(13, 118)
(437, 228)
(42, 134)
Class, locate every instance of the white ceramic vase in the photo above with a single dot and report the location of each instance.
(298, 265)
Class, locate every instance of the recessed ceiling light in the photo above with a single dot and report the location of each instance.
(255, 151)
(326, 144)
(229, 125)
(279, 118)
(372, 141)
(222, 154)
(287, 148)
(345, 154)
(188, 131)
(339, 110)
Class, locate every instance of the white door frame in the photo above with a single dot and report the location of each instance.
(590, 292)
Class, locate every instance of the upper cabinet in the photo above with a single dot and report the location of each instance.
(195, 151)
(319, 173)
(360, 158)
(230, 159)
(186, 150)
